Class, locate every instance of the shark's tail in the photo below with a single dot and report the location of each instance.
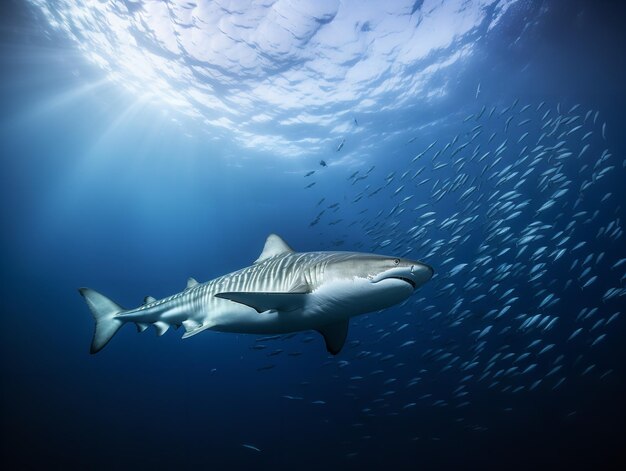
(104, 311)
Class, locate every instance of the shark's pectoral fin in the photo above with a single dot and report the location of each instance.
(262, 302)
(335, 336)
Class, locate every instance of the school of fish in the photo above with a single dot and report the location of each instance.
(515, 212)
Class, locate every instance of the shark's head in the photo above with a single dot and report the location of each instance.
(407, 271)
(369, 282)
(379, 268)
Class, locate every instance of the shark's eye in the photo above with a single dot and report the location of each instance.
(396, 261)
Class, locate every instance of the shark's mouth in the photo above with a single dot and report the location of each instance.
(407, 280)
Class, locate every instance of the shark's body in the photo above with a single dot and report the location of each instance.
(283, 291)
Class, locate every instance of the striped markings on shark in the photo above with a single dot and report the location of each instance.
(283, 291)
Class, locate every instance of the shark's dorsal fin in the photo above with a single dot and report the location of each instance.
(148, 300)
(274, 245)
(191, 282)
(262, 302)
(335, 336)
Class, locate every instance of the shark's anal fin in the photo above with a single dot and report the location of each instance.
(161, 327)
(141, 326)
(261, 301)
(335, 336)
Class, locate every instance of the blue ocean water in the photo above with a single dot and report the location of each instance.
(128, 167)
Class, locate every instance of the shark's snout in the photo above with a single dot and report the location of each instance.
(413, 273)
(421, 273)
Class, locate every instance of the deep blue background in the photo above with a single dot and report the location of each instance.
(134, 209)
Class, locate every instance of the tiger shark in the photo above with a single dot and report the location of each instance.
(282, 292)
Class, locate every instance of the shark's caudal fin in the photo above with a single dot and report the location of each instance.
(104, 311)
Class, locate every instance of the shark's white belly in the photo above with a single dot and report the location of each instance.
(328, 304)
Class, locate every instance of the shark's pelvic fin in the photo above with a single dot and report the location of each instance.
(104, 311)
(274, 245)
(191, 282)
(335, 336)
(192, 328)
(262, 302)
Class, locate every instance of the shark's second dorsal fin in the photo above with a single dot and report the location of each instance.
(274, 245)
(148, 300)
(191, 282)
